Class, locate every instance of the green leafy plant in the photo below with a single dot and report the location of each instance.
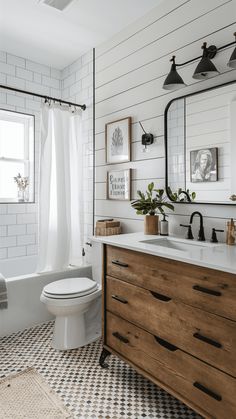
(151, 202)
(187, 196)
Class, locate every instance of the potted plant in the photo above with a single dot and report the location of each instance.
(149, 204)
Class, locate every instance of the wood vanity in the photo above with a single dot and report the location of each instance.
(175, 323)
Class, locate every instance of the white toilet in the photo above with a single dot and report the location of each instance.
(70, 300)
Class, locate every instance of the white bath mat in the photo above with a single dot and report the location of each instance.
(26, 395)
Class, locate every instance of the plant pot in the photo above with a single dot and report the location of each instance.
(151, 224)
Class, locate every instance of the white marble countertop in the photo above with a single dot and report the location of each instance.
(211, 255)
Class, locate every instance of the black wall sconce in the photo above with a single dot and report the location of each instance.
(147, 138)
(204, 70)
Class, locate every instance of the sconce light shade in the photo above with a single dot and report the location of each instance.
(232, 60)
(205, 69)
(173, 81)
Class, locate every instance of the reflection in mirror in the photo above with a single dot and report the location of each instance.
(201, 145)
(16, 157)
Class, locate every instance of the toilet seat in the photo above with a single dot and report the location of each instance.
(53, 301)
(70, 288)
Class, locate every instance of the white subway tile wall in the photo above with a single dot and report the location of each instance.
(176, 156)
(19, 222)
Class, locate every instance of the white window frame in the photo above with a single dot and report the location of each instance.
(12, 116)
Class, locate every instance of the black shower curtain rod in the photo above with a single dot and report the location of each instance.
(25, 92)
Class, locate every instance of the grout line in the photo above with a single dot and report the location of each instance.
(135, 180)
(133, 161)
(169, 214)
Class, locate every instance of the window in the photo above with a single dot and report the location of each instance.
(16, 156)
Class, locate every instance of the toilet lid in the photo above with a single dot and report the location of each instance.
(70, 288)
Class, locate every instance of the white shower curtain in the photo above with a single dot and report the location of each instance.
(61, 218)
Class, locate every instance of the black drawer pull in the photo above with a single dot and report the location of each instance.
(122, 264)
(166, 344)
(120, 299)
(207, 340)
(160, 296)
(207, 391)
(120, 337)
(207, 291)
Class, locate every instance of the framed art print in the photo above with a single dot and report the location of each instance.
(118, 140)
(204, 165)
(119, 184)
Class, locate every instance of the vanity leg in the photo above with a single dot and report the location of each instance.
(102, 358)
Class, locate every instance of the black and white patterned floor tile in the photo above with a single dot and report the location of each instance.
(88, 390)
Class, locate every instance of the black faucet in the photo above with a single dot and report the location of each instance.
(189, 234)
(186, 194)
(201, 235)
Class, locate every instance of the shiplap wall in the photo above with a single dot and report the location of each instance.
(130, 70)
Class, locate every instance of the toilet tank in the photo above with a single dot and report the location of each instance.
(96, 259)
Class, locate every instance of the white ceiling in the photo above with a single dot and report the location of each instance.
(46, 35)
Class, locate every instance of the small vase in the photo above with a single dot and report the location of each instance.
(21, 195)
(151, 224)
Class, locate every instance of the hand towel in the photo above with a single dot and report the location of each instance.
(3, 293)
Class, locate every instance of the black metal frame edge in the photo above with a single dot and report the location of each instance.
(105, 352)
(166, 143)
(211, 47)
(54, 99)
(94, 69)
(105, 294)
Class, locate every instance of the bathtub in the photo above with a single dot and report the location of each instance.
(24, 288)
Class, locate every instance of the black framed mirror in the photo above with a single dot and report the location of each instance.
(200, 145)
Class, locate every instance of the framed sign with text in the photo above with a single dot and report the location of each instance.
(119, 184)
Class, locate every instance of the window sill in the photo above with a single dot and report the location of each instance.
(15, 201)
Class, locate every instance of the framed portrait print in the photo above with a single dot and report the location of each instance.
(118, 140)
(204, 165)
(119, 184)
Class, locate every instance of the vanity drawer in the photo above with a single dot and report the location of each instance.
(207, 336)
(199, 383)
(211, 290)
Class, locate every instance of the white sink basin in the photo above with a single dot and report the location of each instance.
(178, 244)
